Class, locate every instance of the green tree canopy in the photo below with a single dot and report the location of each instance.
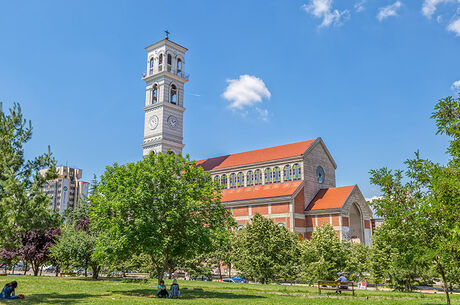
(23, 205)
(424, 200)
(164, 206)
(265, 251)
(323, 256)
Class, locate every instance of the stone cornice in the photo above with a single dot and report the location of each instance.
(165, 105)
(325, 211)
(182, 80)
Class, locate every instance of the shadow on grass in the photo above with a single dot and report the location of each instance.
(56, 298)
(188, 294)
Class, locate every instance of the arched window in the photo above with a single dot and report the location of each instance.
(276, 175)
(223, 181)
(258, 177)
(216, 178)
(232, 180)
(160, 62)
(249, 179)
(287, 173)
(154, 94)
(179, 66)
(169, 61)
(152, 64)
(240, 179)
(268, 175)
(240, 227)
(173, 98)
(296, 175)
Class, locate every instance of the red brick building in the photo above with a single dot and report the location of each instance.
(294, 185)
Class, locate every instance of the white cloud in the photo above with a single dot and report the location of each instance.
(388, 11)
(263, 113)
(429, 7)
(323, 9)
(359, 6)
(373, 198)
(439, 19)
(245, 92)
(454, 26)
(456, 86)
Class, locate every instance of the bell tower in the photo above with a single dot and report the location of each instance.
(164, 97)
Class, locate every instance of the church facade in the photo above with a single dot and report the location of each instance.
(293, 184)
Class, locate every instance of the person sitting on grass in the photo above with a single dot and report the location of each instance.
(174, 292)
(162, 292)
(8, 291)
(341, 278)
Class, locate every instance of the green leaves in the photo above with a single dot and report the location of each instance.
(163, 206)
(265, 251)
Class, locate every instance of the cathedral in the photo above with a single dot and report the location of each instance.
(293, 184)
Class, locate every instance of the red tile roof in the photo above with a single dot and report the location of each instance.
(261, 191)
(331, 198)
(256, 156)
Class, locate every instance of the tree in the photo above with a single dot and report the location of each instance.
(23, 205)
(265, 251)
(323, 256)
(164, 206)
(35, 248)
(75, 248)
(428, 204)
(396, 256)
(358, 261)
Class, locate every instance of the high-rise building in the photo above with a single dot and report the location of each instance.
(66, 190)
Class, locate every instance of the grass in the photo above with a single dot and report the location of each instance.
(52, 290)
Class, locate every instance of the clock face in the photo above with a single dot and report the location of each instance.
(153, 122)
(172, 121)
(320, 174)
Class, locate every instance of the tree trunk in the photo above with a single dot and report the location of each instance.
(41, 270)
(444, 281)
(35, 268)
(86, 272)
(58, 268)
(230, 270)
(220, 271)
(96, 270)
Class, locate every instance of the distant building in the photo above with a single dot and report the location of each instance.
(67, 189)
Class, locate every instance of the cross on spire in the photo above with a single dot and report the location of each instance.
(167, 33)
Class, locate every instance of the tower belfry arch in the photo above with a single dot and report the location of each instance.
(164, 97)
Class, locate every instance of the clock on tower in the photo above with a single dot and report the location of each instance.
(164, 97)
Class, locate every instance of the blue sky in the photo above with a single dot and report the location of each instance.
(363, 75)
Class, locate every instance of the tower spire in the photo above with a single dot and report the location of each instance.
(167, 34)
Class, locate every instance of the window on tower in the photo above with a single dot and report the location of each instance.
(154, 94)
(179, 66)
(173, 94)
(152, 63)
(160, 63)
(169, 59)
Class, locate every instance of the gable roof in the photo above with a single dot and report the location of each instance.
(331, 198)
(261, 191)
(256, 156)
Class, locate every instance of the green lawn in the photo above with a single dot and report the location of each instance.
(52, 290)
